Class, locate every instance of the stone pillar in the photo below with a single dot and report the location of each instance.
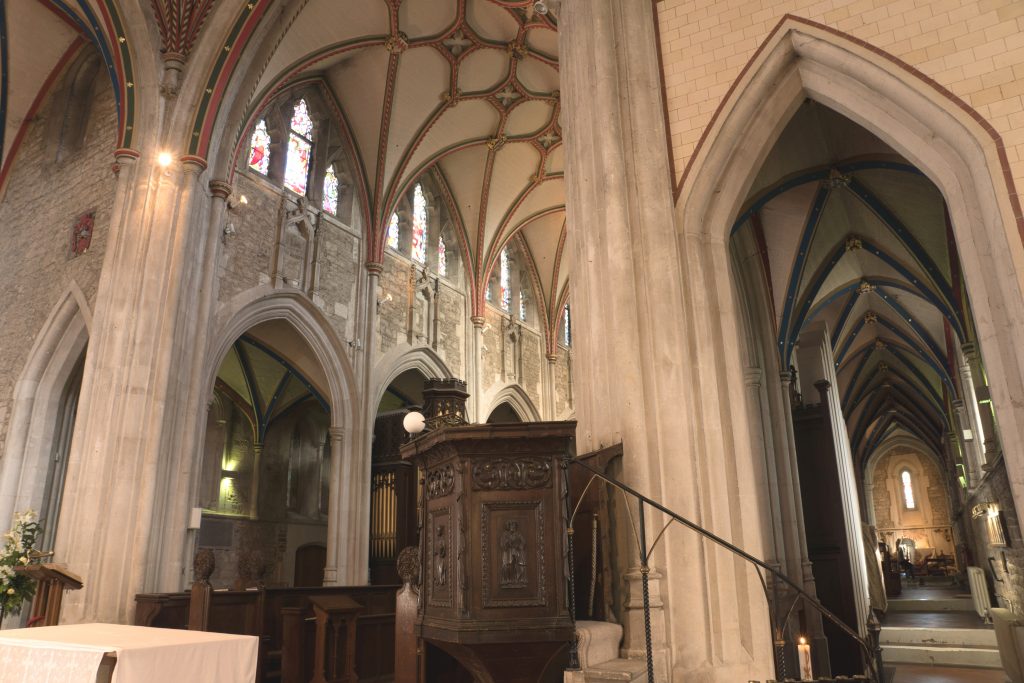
(476, 382)
(966, 418)
(983, 399)
(548, 394)
(659, 360)
(334, 523)
(817, 374)
(126, 463)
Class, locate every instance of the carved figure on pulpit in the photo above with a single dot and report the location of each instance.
(440, 559)
(513, 557)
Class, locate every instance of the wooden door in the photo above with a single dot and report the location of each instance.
(310, 560)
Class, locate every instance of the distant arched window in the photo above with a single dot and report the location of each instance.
(259, 148)
(566, 326)
(505, 282)
(393, 232)
(419, 225)
(330, 202)
(908, 490)
(424, 233)
(300, 149)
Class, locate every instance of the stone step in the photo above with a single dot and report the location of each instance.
(616, 670)
(598, 641)
(938, 605)
(914, 635)
(942, 655)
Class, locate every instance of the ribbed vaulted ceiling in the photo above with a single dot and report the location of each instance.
(854, 235)
(467, 89)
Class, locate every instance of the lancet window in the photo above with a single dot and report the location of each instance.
(420, 229)
(330, 199)
(908, 490)
(259, 148)
(300, 149)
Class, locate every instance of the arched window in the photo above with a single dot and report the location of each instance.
(259, 148)
(505, 282)
(330, 203)
(300, 148)
(442, 258)
(393, 232)
(566, 330)
(908, 490)
(522, 305)
(419, 225)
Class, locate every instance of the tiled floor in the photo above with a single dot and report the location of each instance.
(910, 673)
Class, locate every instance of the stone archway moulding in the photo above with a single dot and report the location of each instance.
(37, 394)
(400, 359)
(950, 142)
(348, 515)
(515, 396)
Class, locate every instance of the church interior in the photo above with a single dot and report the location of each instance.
(486, 341)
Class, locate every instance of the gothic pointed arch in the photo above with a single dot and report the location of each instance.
(941, 135)
(33, 427)
(399, 360)
(515, 396)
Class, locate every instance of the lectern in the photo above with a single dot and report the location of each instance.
(492, 545)
(51, 582)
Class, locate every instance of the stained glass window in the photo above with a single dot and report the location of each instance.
(419, 225)
(393, 232)
(331, 190)
(908, 490)
(259, 148)
(504, 281)
(566, 334)
(522, 305)
(301, 123)
(442, 258)
(300, 147)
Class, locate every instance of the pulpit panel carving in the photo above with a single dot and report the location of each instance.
(440, 481)
(503, 474)
(439, 558)
(513, 563)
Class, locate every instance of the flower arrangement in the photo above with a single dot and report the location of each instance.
(18, 543)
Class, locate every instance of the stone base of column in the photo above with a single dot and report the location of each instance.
(634, 644)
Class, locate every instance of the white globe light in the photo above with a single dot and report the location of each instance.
(414, 422)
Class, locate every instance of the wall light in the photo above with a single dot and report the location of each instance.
(414, 422)
(164, 159)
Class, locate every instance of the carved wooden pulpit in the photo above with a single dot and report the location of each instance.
(492, 545)
(51, 582)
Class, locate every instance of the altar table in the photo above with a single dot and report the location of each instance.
(92, 653)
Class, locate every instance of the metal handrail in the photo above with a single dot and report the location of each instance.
(872, 653)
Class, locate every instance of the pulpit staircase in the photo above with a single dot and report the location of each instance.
(592, 653)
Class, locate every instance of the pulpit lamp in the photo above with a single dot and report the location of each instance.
(414, 422)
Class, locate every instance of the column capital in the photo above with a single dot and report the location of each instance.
(970, 350)
(552, 357)
(193, 164)
(337, 433)
(221, 189)
(374, 267)
(477, 320)
(752, 377)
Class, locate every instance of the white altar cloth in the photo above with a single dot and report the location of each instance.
(72, 654)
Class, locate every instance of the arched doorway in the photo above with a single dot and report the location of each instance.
(848, 250)
(503, 413)
(265, 479)
(393, 482)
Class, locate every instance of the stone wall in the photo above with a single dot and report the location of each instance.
(1008, 561)
(975, 49)
(41, 202)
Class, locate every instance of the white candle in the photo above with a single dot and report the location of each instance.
(803, 648)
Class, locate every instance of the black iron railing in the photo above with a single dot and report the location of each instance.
(870, 650)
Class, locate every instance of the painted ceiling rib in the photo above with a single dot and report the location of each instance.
(905, 237)
(786, 330)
